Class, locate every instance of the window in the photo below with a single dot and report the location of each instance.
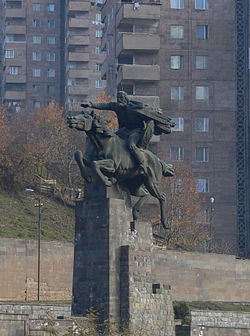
(98, 17)
(177, 32)
(202, 32)
(50, 89)
(98, 33)
(37, 23)
(201, 154)
(201, 92)
(97, 50)
(202, 184)
(36, 56)
(36, 7)
(51, 73)
(98, 67)
(37, 39)
(177, 4)
(201, 62)
(177, 62)
(36, 72)
(51, 40)
(14, 70)
(201, 4)
(51, 56)
(9, 53)
(51, 7)
(99, 84)
(177, 92)
(179, 127)
(51, 23)
(9, 38)
(177, 153)
(201, 124)
(37, 104)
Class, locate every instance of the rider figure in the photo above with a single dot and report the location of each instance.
(140, 130)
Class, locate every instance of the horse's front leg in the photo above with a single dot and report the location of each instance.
(102, 166)
(82, 162)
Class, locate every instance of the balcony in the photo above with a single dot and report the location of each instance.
(138, 42)
(15, 29)
(150, 100)
(78, 40)
(15, 79)
(15, 13)
(78, 57)
(138, 72)
(15, 95)
(78, 90)
(146, 12)
(78, 6)
(78, 73)
(78, 23)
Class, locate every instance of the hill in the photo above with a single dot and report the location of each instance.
(19, 217)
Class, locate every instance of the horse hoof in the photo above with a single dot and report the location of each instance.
(108, 183)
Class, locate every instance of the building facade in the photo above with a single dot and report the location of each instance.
(181, 55)
(32, 50)
(83, 53)
(49, 51)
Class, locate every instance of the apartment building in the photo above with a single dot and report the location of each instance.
(50, 51)
(83, 53)
(33, 46)
(180, 54)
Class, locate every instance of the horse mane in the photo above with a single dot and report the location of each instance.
(102, 125)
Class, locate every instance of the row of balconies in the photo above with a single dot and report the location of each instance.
(15, 78)
(78, 40)
(15, 95)
(146, 12)
(78, 23)
(136, 72)
(15, 13)
(15, 29)
(78, 73)
(78, 6)
(78, 57)
(138, 42)
(78, 90)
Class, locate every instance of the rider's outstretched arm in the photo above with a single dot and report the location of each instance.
(101, 106)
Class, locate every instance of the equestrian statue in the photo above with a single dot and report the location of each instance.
(122, 156)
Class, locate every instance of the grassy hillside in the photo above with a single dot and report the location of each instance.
(19, 216)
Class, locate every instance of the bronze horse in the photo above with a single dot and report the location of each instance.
(112, 161)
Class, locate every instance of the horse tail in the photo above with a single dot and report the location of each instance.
(167, 169)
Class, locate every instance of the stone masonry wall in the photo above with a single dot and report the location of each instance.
(146, 305)
(197, 276)
(29, 319)
(220, 323)
(18, 276)
(193, 276)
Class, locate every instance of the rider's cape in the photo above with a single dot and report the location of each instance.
(162, 124)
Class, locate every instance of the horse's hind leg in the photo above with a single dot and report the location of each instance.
(153, 188)
(82, 161)
(138, 205)
(102, 166)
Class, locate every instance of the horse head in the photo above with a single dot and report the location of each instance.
(81, 122)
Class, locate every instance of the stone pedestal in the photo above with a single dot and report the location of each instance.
(113, 266)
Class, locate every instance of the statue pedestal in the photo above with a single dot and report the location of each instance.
(114, 264)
